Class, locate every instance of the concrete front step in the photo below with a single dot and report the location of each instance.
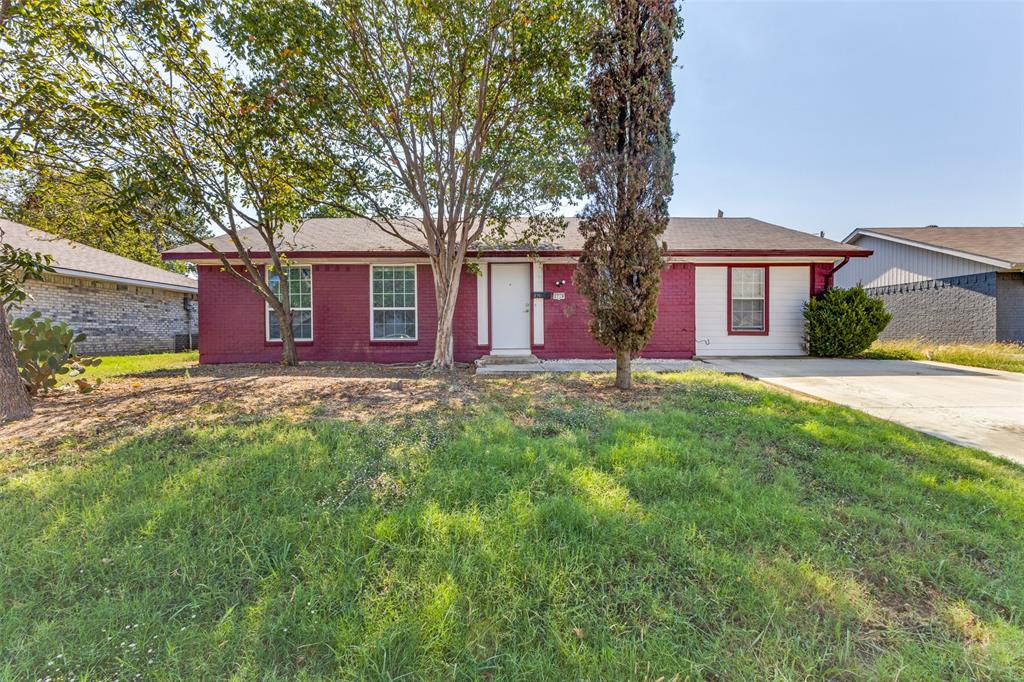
(639, 365)
(489, 360)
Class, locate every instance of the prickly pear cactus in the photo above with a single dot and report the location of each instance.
(46, 350)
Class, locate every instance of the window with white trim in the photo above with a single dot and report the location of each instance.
(300, 298)
(747, 300)
(393, 302)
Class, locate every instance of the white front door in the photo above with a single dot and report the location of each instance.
(510, 308)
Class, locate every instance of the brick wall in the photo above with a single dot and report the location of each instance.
(944, 310)
(232, 319)
(117, 319)
(565, 321)
(819, 279)
(1010, 306)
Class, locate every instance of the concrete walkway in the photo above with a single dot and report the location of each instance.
(980, 408)
(639, 365)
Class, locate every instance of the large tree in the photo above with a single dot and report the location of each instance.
(443, 120)
(627, 173)
(40, 44)
(165, 109)
(16, 266)
(85, 207)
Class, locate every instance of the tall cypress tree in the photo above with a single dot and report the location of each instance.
(627, 174)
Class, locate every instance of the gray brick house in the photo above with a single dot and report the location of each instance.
(944, 284)
(123, 306)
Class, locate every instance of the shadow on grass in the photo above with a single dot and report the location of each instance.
(716, 530)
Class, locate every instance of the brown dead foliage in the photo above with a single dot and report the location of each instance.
(66, 421)
(125, 405)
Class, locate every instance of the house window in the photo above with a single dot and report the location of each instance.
(747, 308)
(393, 302)
(300, 298)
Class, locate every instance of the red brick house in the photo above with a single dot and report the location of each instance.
(732, 286)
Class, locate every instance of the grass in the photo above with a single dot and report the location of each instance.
(120, 365)
(1004, 356)
(709, 528)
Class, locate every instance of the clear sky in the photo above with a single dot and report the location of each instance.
(822, 115)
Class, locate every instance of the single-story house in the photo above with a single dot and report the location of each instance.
(732, 286)
(944, 284)
(121, 305)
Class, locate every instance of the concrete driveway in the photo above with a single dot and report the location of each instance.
(980, 408)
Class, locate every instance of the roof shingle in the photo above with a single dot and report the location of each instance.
(72, 258)
(690, 235)
(999, 243)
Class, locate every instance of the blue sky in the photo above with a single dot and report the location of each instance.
(833, 115)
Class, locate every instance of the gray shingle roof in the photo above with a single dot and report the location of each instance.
(78, 260)
(999, 243)
(690, 235)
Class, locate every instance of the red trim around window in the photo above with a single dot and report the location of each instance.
(728, 299)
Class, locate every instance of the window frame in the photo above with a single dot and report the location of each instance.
(729, 298)
(268, 310)
(415, 308)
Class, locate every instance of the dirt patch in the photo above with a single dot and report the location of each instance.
(124, 405)
(593, 388)
(66, 421)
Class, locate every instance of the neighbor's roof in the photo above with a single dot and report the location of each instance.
(78, 260)
(1001, 246)
(684, 236)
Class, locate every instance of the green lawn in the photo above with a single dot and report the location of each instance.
(1004, 356)
(119, 365)
(707, 528)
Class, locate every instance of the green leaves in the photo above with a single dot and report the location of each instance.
(16, 267)
(93, 208)
(45, 350)
(843, 322)
(459, 110)
(627, 171)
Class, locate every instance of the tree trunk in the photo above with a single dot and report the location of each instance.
(446, 292)
(623, 370)
(289, 357)
(14, 399)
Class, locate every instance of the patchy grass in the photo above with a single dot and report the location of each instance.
(1004, 356)
(121, 365)
(704, 527)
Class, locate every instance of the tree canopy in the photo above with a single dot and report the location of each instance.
(441, 122)
(177, 126)
(84, 207)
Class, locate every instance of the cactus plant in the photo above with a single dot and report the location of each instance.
(46, 350)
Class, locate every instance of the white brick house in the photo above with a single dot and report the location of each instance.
(121, 305)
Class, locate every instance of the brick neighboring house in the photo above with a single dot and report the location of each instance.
(732, 286)
(944, 284)
(121, 305)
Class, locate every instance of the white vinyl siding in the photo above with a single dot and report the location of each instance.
(788, 289)
(300, 299)
(894, 263)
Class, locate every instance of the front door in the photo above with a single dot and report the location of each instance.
(510, 308)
